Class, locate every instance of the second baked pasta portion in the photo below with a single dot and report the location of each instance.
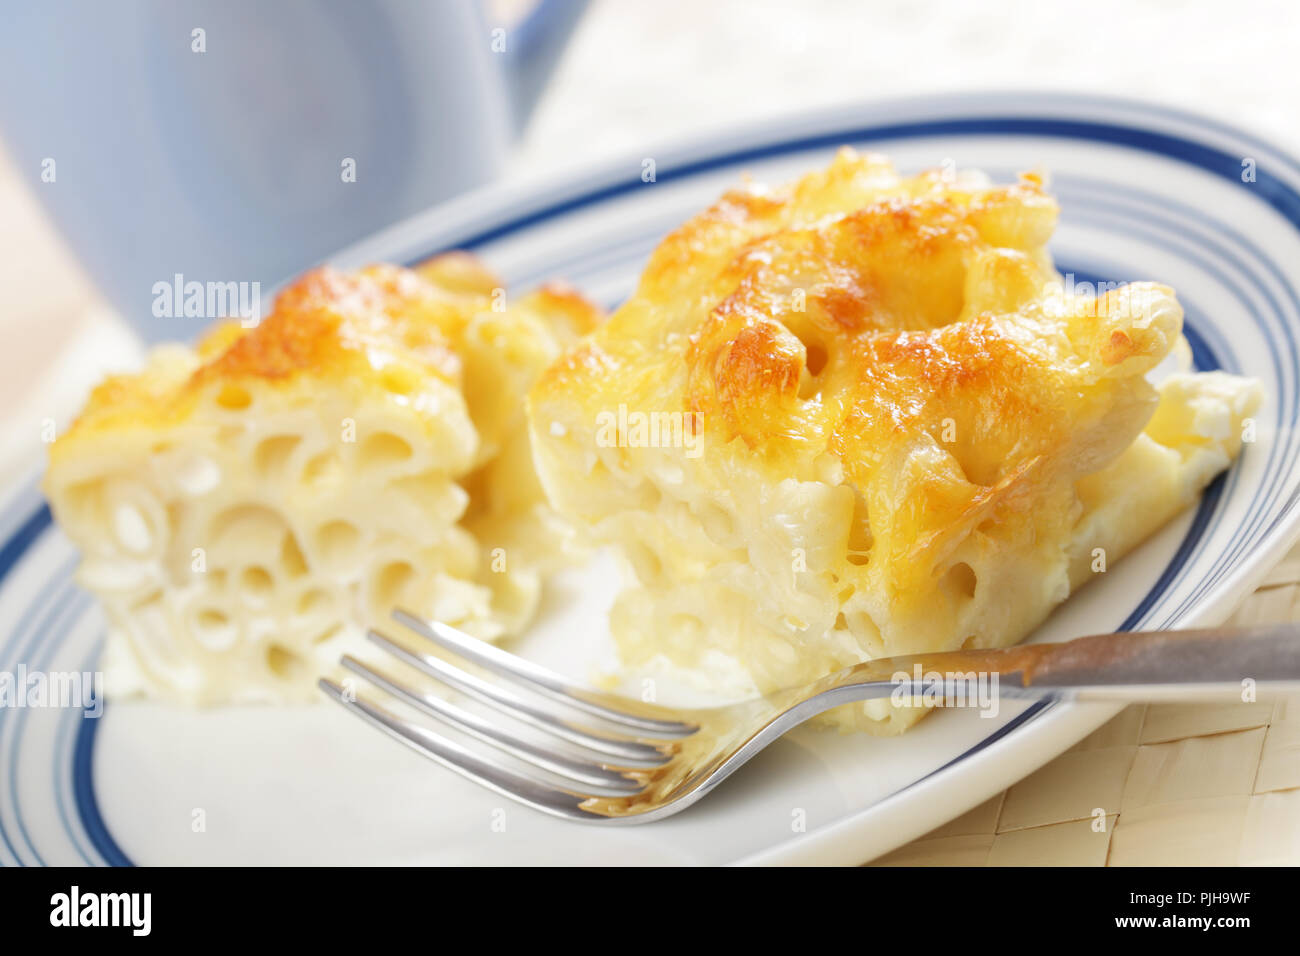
(246, 507)
(860, 416)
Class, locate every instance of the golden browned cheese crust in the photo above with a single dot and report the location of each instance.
(799, 331)
(383, 326)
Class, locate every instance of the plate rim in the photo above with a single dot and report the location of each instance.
(991, 766)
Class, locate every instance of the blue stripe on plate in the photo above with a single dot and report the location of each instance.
(64, 765)
(83, 792)
(1224, 165)
(58, 617)
(10, 554)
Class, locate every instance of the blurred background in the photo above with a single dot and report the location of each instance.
(222, 153)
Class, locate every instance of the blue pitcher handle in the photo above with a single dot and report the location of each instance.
(533, 48)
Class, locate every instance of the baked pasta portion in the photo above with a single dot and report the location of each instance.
(861, 416)
(244, 508)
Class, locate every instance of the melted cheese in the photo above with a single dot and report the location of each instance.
(904, 433)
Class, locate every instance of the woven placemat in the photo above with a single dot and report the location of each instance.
(1160, 785)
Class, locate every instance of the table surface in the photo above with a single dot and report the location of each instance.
(1157, 785)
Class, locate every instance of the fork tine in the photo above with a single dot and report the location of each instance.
(579, 771)
(485, 772)
(539, 679)
(632, 752)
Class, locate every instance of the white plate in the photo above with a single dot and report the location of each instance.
(1145, 193)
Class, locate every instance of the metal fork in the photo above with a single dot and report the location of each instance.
(611, 759)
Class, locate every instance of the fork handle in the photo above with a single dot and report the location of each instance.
(1126, 666)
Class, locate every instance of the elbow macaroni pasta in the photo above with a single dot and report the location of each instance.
(906, 433)
(243, 509)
